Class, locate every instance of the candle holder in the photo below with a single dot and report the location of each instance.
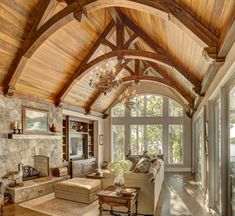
(19, 131)
(15, 131)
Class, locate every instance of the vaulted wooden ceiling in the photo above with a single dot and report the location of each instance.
(48, 47)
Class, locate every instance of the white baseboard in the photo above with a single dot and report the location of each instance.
(178, 169)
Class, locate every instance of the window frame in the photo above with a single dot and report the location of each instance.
(164, 120)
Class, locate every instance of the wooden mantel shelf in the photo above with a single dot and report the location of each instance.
(35, 137)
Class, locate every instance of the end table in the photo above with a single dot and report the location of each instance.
(110, 197)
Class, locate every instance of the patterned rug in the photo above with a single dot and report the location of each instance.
(50, 205)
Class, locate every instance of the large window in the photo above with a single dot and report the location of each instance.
(146, 137)
(148, 127)
(147, 106)
(175, 109)
(118, 110)
(137, 139)
(175, 148)
(118, 140)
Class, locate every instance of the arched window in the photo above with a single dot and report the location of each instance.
(154, 124)
(147, 106)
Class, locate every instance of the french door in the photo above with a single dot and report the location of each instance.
(231, 151)
(200, 167)
(217, 162)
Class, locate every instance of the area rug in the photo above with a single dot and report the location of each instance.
(50, 205)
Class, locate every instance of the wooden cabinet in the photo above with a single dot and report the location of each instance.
(78, 144)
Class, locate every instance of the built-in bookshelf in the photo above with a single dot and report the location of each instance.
(78, 139)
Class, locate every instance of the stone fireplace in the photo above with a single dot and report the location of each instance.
(23, 150)
(40, 168)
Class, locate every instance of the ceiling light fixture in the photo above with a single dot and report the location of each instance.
(127, 97)
(104, 78)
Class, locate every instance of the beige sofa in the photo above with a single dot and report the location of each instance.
(149, 192)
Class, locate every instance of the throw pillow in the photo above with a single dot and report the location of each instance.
(134, 159)
(153, 170)
(142, 166)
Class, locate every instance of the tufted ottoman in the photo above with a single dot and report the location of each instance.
(78, 189)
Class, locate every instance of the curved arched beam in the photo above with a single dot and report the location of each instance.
(35, 41)
(165, 9)
(177, 86)
(136, 54)
(160, 80)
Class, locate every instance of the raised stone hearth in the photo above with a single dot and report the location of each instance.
(34, 188)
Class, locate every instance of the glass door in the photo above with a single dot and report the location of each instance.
(218, 155)
(232, 149)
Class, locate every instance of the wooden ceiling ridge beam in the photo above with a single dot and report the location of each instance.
(159, 49)
(68, 86)
(35, 39)
(98, 93)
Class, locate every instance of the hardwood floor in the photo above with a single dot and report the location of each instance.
(180, 196)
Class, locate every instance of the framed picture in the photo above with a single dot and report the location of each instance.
(101, 139)
(35, 121)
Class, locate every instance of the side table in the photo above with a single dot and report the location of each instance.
(110, 197)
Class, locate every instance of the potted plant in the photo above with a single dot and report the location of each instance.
(118, 169)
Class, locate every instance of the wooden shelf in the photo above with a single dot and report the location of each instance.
(35, 137)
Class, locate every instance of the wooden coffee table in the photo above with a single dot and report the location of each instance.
(110, 197)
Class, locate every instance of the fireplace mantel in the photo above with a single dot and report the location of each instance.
(35, 137)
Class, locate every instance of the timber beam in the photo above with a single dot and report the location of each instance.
(158, 49)
(35, 39)
(166, 9)
(174, 84)
(68, 86)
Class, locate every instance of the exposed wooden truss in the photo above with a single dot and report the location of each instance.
(71, 82)
(35, 39)
(42, 29)
(158, 48)
(165, 9)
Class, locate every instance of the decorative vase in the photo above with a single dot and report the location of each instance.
(119, 183)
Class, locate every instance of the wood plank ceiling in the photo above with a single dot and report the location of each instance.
(48, 47)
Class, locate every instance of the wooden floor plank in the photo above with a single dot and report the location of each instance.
(180, 196)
